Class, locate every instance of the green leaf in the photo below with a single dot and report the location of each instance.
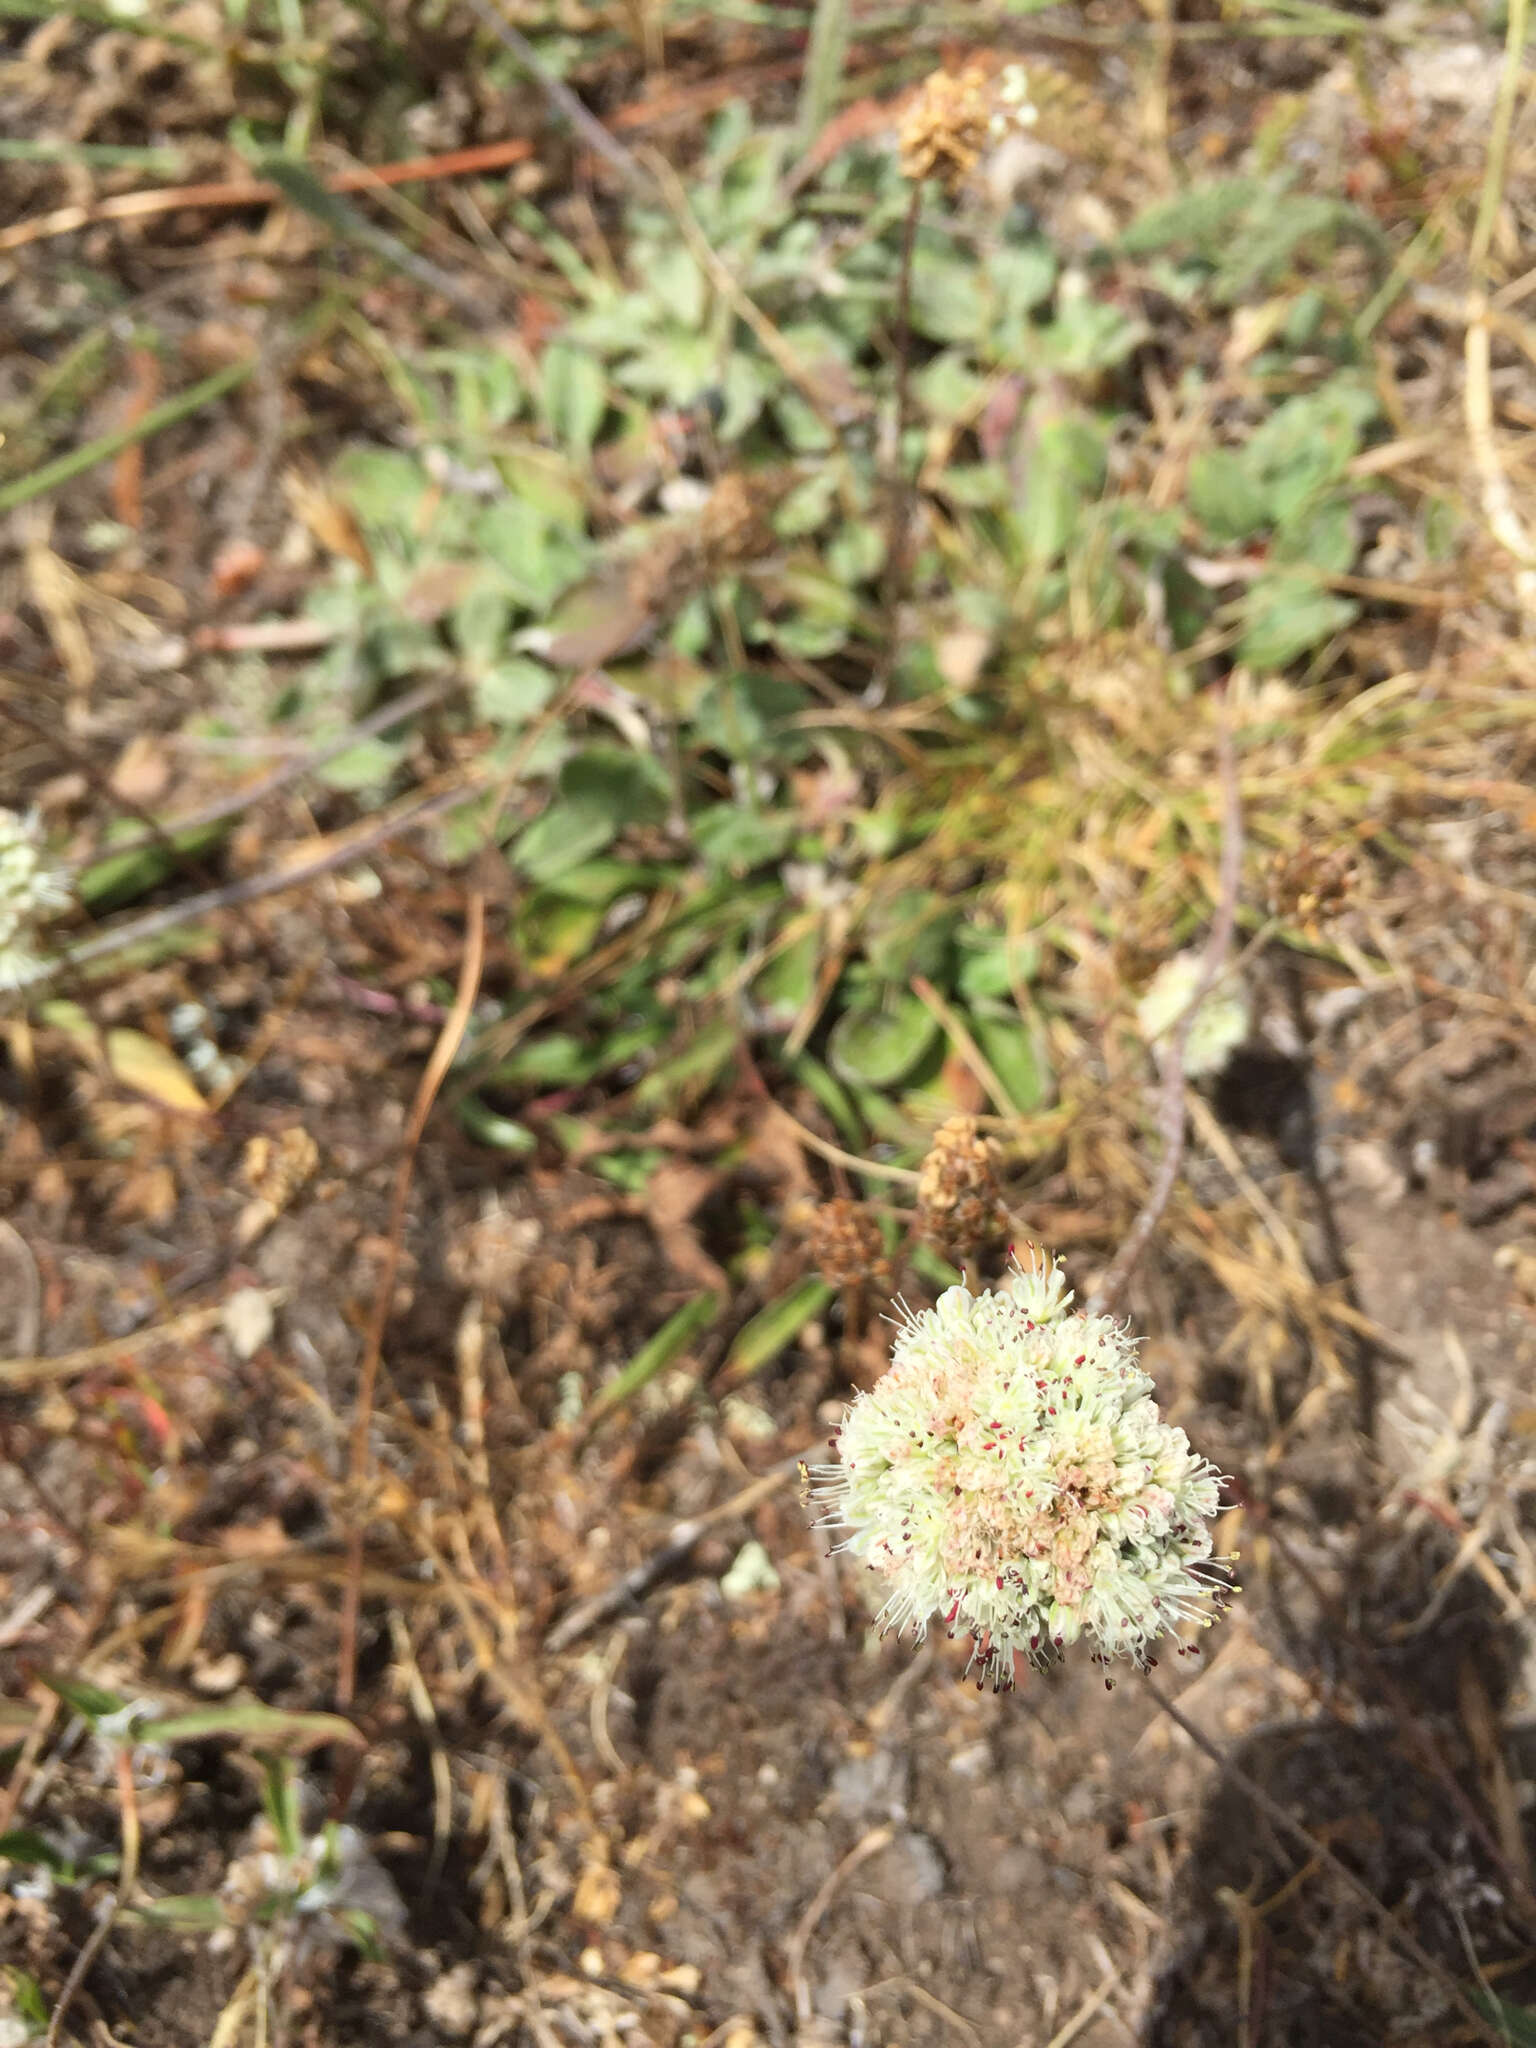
(1202, 218)
(27, 1997)
(1023, 276)
(253, 1721)
(692, 1072)
(1088, 335)
(555, 930)
(513, 690)
(949, 296)
(991, 963)
(881, 1047)
(280, 1801)
(93, 1702)
(746, 717)
(1227, 495)
(1066, 472)
(808, 506)
(560, 838)
(121, 878)
(573, 391)
(486, 1127)
(1014, 1054)
(197, 1910)
(1286, 614)
(1518, 2022)
(1322, 537)
(774, 1328)
(856, 552)
(678, 1334)
(26, 1845)
(367, 765)
(737, 840)
(632, 788)
(384, 487)
(788, 981)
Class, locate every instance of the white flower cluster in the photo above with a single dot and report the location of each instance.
(30, 887)
(1220, 1023)
(1011, 1473)
(1014, 108)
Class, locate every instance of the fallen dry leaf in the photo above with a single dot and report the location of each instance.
(143, 1064)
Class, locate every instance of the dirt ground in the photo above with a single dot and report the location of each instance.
(634, 1768)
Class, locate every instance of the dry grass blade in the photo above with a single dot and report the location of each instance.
(1171, 1113)
(448, 1042)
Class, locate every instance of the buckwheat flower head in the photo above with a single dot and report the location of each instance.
(30, 887)
(1220, 1024)
(1010, 1473)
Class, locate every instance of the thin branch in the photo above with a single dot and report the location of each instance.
(672, 1552)
(236, 801)
(336, 855)
(448, 1042)
(1171, 1111)
(560, 96)
(1311, 1847)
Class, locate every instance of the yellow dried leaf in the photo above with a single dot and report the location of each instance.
(146, 1066)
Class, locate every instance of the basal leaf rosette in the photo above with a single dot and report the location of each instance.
(1010, 1473)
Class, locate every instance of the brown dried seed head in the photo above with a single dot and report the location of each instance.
(1312, 885)
(960, 1206)
(946, 126)
(847, 1246)
(275, 1169)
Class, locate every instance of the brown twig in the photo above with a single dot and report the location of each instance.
(487, 156)
(338, 852)
(668, 1555)
(1311, 1847)
(231, 805)
(443, 1052)
(1171, 1111)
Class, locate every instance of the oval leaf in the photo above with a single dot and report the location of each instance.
(881, 1047)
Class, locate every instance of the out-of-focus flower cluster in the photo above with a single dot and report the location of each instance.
(30, 888)
(1218, 1027)
(1011, 1473)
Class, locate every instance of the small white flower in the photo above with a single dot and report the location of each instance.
(1014, 107)
(1011, 1473)
(30, 888)
(1220, 1024)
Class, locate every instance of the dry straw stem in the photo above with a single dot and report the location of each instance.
(1504, 521)
(443, 1052)
(672, 1552)
(1171, 1121)
(65, 220)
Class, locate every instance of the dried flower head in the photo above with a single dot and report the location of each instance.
(1220, 1024)
(1310, 885)
(846, 1245)
(30, 887)
(1011, 1473)
(960, 1206)
(278, 1168)
(955, 116)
